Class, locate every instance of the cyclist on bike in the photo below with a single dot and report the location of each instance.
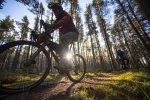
(122, 57)
(67, 29)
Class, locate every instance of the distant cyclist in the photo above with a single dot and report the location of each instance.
(122, 58)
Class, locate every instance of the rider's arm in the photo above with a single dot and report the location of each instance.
(61, 22)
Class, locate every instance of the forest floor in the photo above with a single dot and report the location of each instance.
(122, 85)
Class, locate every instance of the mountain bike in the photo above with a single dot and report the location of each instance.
(123, 63)
(26, 64)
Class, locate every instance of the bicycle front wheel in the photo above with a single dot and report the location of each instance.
(17, 71)
(79, 68)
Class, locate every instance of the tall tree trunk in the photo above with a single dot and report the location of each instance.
(106, 38)
(99, 51)
(144, 6)
(16, 58)
(147, 46)
(141, 27)
(93, 53)
(127, 45)
(102, 26)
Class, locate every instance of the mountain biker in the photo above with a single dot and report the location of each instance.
(122, 57)
(67, 29)
(120, 54)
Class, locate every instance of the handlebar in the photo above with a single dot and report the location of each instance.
(34, 35)
(46, 34)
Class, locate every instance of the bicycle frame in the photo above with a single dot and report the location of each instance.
(45, 44)
(51, 50)
(38, 51)
(53, 54)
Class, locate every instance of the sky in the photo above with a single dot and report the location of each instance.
(17, 10)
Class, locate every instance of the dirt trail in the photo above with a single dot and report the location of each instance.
(53, 91)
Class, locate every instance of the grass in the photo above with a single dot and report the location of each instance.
(13, 79)
(125, 86)
(129, 85)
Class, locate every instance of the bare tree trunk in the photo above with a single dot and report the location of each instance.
(147, 46)
(16, 59)
(108, 44)
(144, 6)
(93, 53)
(141, 27)
(127, 45)
(99, 51)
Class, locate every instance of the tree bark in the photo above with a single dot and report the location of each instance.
(147, 46)
(141, 27)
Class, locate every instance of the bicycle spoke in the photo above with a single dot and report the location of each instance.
(18, 70)
(79, 69)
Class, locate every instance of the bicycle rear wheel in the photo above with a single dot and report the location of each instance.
(16, 75)
(79, 68)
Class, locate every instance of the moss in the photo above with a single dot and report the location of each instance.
(126, 85)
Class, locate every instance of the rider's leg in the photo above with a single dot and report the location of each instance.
(56, 47)
(122, 64)
(126, 64)
(65, 41)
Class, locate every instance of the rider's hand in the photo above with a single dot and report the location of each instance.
(34, 35)
(41, 22)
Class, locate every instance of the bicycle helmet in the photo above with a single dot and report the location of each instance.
(54, 6)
